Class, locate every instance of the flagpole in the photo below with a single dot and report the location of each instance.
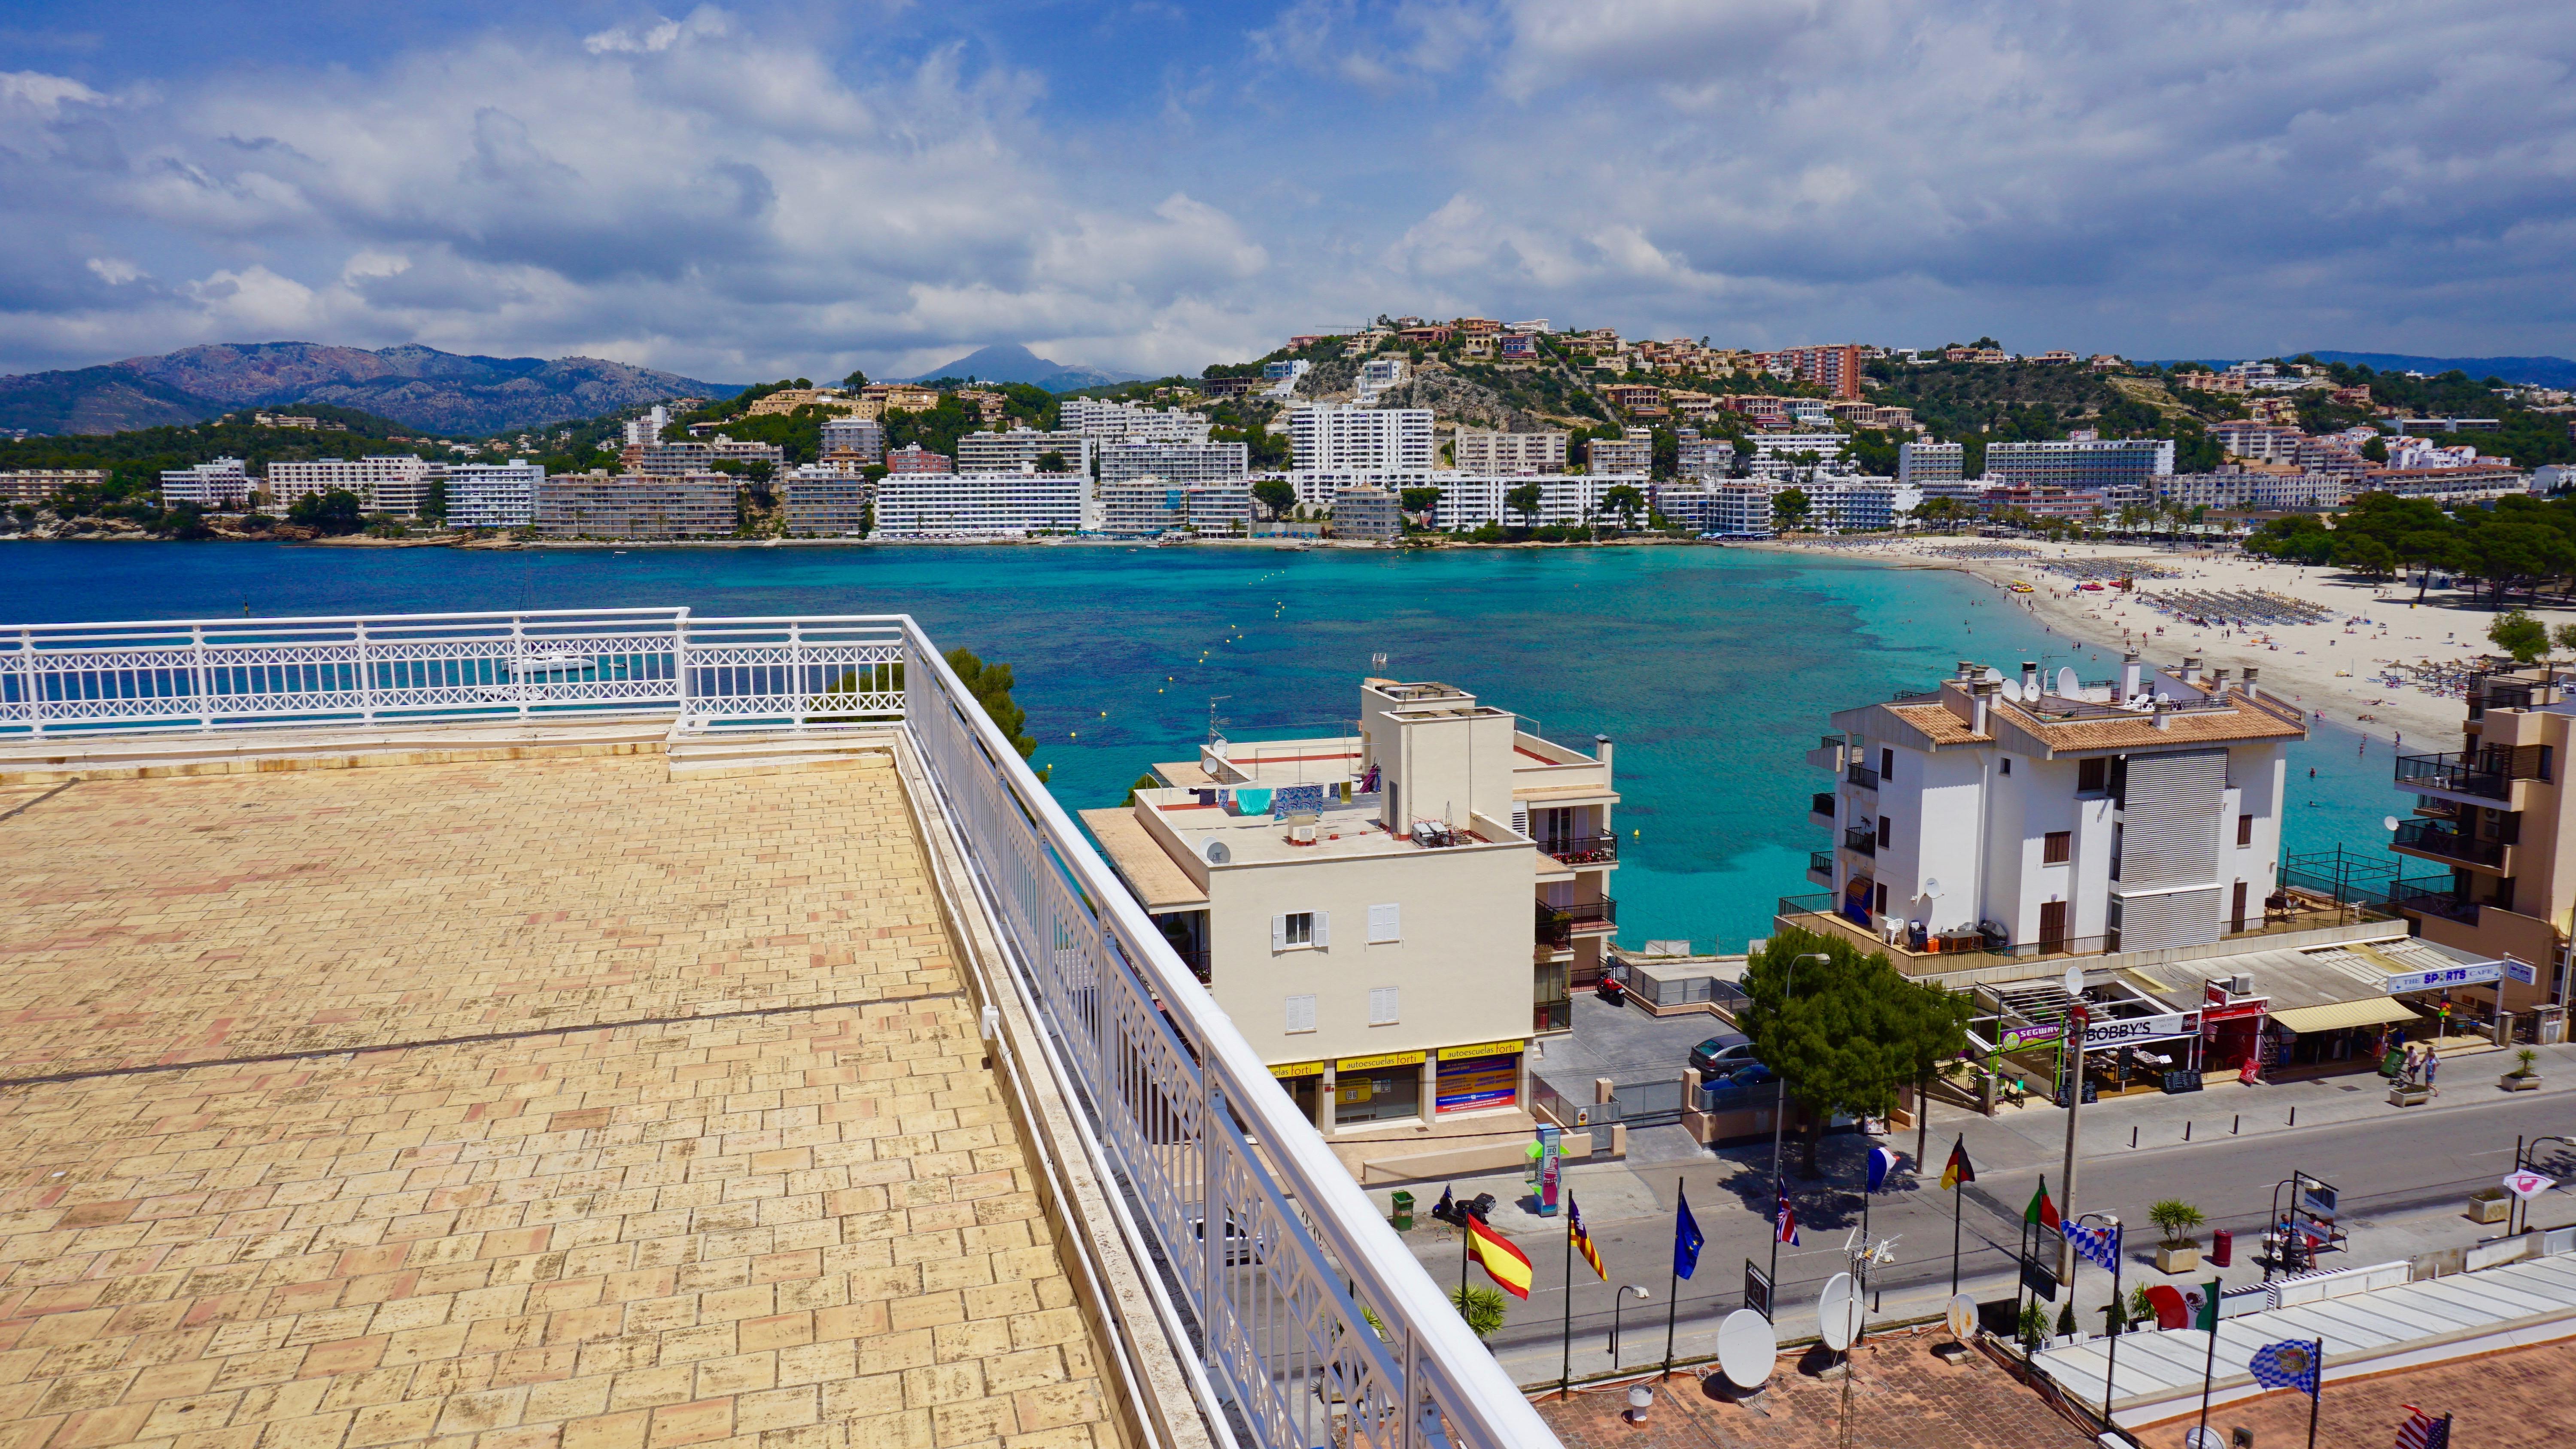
(1673, 1298)
(1565, 1379)
(2111, 1372)
(1958, 1195)
(2317, 1396)
(2209, 1370)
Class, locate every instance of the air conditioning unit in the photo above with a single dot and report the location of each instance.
(2239, 984)
(1301, 835)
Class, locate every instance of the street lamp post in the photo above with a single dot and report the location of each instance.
(1617, 1303)
(1780, 1112)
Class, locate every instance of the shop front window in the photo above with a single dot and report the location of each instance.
(1381, 1094)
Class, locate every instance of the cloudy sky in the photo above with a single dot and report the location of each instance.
(755, 191)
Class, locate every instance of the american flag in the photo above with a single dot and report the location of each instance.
(2423, 1431)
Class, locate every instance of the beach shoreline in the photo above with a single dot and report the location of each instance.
(2330, 669)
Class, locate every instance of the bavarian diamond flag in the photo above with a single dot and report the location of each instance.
(2290, 1364)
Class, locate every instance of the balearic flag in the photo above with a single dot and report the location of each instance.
(1582, 1240)
(1508, 1266)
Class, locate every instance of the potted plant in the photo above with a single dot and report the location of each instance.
(2178, 1252)
(2522, 1078)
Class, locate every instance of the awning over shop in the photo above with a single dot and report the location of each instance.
(2369, 1011)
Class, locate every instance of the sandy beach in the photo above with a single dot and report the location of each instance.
(2337, 668)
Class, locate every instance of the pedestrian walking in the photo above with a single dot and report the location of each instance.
(2432, 1063)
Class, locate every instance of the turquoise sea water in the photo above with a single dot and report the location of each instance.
(1713, 670)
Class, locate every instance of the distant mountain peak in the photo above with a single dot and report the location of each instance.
(1010, 362)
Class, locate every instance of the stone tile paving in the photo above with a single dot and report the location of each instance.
(804, 1228)
(1904, 1398)
(2518, 1400)
(239, 915)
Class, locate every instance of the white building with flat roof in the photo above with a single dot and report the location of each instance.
(980, 505)
(1785, 455)
(1921, 463)
(820, 501)
(1631, 456)
(1332, 438)
(391, 483)
(1470, 500)
(1024, 448)
(1483, 450)
(1125, 460)
(1111, 421)
(1146, 507)
(1711, 460)
(1354, 903)
(2079, 462)
(493, 495)
(222, 483)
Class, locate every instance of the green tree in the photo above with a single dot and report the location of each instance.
(1051, 461)
(1789, 508)
(2375, 450)
(1626, 502)
(2175, 1219)
(1276, 494)
(855, 380)
(2364, 554)
(991, 686)
(1419, 500)
(2520, 635)
(1481, 1306)
(333, 513)
(1523, 499)
(1847, 1032)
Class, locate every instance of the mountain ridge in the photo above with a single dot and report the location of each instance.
(419, 386)
(1010, 362)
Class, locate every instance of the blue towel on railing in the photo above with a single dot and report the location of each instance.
(1252, 802)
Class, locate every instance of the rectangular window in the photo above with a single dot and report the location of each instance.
(2119, 834)
(2052, 926)
(2007, 764)
(1881, 898)
(2245, 830)
(1386, 923)
(1301, 1013)
(1298, 928)
(1384, 1008)
(1886, 831)
(1886, 765)
(2057, 847)
(2092, 776)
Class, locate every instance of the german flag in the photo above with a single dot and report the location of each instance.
(1582, 1240)
(1505, 1264)
(1958, 1170)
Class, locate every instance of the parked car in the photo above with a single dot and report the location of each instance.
(1720, 1055)
(1748, 1085)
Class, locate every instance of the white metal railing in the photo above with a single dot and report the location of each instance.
(1272, 1246)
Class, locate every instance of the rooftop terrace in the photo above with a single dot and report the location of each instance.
(707, 1031)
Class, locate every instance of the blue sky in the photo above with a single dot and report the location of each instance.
(760, 190)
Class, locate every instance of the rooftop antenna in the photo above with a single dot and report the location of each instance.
(1377, 664)
(1215, 722)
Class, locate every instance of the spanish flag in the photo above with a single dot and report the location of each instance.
(1502, 1262)
(1958, 1170)
(1582, 1239)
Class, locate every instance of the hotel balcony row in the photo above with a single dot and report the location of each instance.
(703, 993)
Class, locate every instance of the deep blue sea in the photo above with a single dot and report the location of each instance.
(1712, 669)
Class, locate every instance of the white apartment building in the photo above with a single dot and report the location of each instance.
(1354, 902)
(2255, 490)
(1107, 421)
(1149, 506)
(1482, 450)
(1021, 449)
(2144, 814)
(1469, 500)
(2079, 462)
(850, 444)
(1318, 490)
(1332, 438)
(35, 485)
(1368, 513)
(1856, 504)
(493, 495)
(395, 483)
(1288, 371)
(1126, 460)
(1921, 463)
(1777, 455)
(1376, 376)
(221, 483)
(1710, 460)
(980, 505)
(1632, 456)
(646, 430)
(1739, 509)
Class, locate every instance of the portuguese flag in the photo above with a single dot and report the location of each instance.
(2041, 1212)
(1505, 1264)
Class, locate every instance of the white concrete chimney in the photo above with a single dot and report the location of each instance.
(2191, 669)
(1982, 695)
(2164, 714)
(1601, 750)
(2250, 691)
(2129, 668)
(2029, 678)
(2218, 684)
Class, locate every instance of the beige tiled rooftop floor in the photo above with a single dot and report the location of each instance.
(803, 1227)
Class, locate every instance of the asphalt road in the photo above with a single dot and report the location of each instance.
(2386, 1168)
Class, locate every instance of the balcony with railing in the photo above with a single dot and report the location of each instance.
(1602, 849)
(1863, 776)
(1142, 1115)
(1820, 806)
(2436, 897)
(1820, 867)
(1559, 925)
(2443, 841)
(1862, 839)
(2458, 772)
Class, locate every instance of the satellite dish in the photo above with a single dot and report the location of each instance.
(2012, 690)
(1216, 852)
(1962, 1316)
(1838, 1312)
(1932, 886)
(2067, 684)
(2075, 981)
(1747, 1348)
(1994, 675)
(2203, 1439)
(2388, 822)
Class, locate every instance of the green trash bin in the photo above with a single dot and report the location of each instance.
(1403, 1212)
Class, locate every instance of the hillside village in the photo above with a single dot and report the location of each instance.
(1404, 431)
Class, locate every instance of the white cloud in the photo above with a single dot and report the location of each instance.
(114, 271)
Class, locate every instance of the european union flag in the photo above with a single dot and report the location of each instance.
(1686, 1242)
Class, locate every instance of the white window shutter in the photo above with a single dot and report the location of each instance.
(1323, 931)
(1386, 922)
(1384, 1005)
(1520, 820)
(1278, 933)
(1301, 1013)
